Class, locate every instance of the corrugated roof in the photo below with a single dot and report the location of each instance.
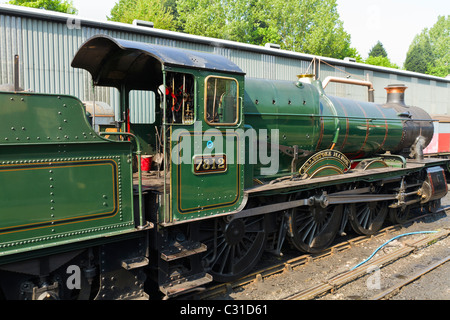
(56, 16)
(47, 41)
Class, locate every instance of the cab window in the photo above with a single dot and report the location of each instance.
(221, 103)
(180, 90)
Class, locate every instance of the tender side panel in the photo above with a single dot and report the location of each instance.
(47, 195)
(46, 203)
(60, 182)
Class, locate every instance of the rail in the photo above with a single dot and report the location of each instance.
(289, 265)
(360, 271)
(392, 290)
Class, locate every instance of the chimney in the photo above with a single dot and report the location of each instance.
(396, 93)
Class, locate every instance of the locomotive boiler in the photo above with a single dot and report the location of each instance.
(241, 166)
(313, 121)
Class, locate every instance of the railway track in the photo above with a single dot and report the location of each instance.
(394, 289)
(342, 279)
(333, 283)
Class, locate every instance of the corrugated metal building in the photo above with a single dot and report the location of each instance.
(47, 41)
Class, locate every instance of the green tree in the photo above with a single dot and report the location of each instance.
(154, 11)
(381, 61)
(429, 52)
(171, 6)
(52, 5)
(202, 17)
(420, 54)
(223, 19)
(308, 26)
(378, 50)
(379, 57)
(440, 47)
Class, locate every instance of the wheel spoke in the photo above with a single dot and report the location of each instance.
(312, 233)
(238, 246)
(308, 226)
(367, 218)
(303, 216)
(253, 222)
(399, 215)
(366, 215)
(314, 227)
(226, 250)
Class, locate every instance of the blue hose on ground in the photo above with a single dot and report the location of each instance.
(399, 236)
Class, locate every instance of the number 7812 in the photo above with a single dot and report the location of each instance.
(210, 164)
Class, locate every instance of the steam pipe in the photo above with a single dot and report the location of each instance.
(352, 81)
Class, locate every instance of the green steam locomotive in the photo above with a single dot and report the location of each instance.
(239, 166)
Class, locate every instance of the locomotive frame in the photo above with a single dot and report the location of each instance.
(210, 213)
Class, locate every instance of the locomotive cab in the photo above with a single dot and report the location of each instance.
(193, 128)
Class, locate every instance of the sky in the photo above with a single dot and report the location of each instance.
(393, 22)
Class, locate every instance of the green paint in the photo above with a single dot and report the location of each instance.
(63, 182)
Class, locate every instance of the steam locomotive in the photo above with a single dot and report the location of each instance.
(240, 166)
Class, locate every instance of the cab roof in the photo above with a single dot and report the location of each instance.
(115, 62)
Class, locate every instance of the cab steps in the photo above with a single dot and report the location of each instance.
(180, 268)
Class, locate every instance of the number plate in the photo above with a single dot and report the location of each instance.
(210, 164)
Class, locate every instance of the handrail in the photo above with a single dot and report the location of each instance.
(333, 116)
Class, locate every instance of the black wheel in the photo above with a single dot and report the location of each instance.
(399, 215)
(234, 247)
(366, 218)
(313, 228)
